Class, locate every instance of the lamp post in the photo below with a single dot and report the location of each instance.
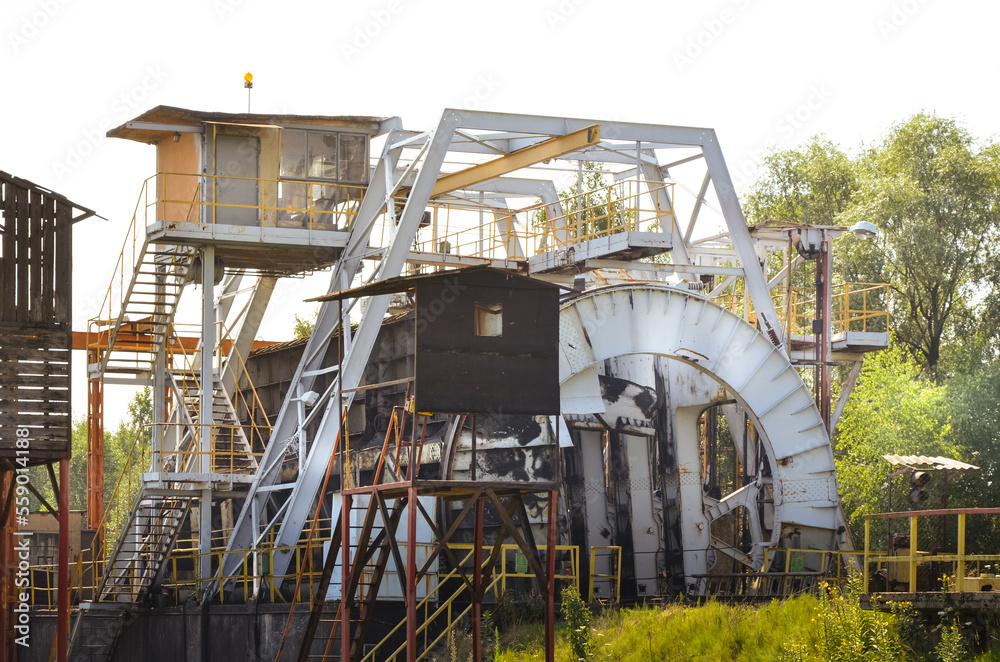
(813, 243)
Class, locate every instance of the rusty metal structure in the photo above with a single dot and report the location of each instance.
(552, 351)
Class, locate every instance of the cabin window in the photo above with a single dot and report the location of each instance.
(324, 155)
(489, 319)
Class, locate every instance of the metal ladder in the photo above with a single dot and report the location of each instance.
(149, 306)
(231, 449)
(133, 566)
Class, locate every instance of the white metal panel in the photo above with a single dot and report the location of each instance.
(390, 588)
(722, 345)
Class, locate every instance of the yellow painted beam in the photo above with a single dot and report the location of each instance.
(522, 158)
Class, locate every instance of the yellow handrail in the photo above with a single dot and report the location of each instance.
(858, 307)
(281, 202)
(959, 559)
(616, 575)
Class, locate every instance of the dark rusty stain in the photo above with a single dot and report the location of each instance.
(613, 388)
(522, 427)
(517, 464)
(646, 401)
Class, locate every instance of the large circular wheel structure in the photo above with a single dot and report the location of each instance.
(661, 320)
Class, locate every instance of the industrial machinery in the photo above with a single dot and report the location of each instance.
(549, 353)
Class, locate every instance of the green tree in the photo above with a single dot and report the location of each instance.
(812, 184)
(932, 191)
(893, 410)
(117, 448)
(933, 194)
(974, 402)
(304, 326)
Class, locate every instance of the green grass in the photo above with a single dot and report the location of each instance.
(803, 629)
(713, 632)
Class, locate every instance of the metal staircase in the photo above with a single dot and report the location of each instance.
(232, 452)
(133, 567)
(138, 555)
(95, 631)
(147, 311)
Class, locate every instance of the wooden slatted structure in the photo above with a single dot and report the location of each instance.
(36, 315)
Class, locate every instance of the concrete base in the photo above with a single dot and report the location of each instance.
(230, 633)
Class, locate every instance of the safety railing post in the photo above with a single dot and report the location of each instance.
(912, 561)
(960, 570)
(868, 538)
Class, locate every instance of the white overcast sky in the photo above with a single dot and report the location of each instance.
(763, 73)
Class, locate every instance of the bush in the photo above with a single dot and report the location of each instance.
(579, 621)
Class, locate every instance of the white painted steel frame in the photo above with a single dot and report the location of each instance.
(457, 133)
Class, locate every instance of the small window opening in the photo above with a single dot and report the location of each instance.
(489, 319)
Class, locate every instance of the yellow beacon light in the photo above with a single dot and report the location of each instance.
(248, 77)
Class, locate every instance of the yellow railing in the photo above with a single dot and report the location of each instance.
(620, 207)
(89, 564)
(505, 234)
(958, 579)
(289, 203)
(246, 577)
(225, 455)
(574, 556)
(854, 307)
(615, 561)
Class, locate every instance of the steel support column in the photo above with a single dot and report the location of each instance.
(345, 577)
(207, 381)
(756, 282)
(825, 313)
(95, 444)
(550, 568)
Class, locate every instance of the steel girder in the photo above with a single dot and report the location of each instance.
(474, 133)
(313, 464)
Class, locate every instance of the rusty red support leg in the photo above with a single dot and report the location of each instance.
(411, 568)
(345, 576)
(63, 573)
(550, 563)
(6, 577)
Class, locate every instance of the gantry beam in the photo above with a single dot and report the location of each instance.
(138, 341)
(549, 149)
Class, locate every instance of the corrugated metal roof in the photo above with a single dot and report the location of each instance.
(188, 117)
(924, 463)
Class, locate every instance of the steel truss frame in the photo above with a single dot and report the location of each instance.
(472, 138)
